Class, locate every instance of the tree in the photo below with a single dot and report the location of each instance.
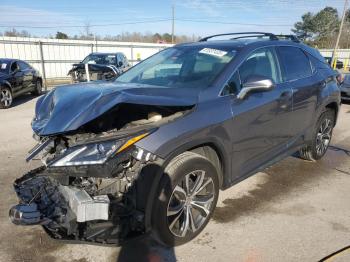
(320, 28)
(304, 29)
(60, 35)
(326, 22)
(166, 37)
(14, 32)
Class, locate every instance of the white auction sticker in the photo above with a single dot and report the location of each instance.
(3, 66)
(211, 51)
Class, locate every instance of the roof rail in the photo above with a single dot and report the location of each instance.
(254, 34)
(249, 34)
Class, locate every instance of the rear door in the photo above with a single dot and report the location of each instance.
(28, 76)
(298, 73)
(261, 121)
(16, 78)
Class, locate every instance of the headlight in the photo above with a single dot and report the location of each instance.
(95, 153)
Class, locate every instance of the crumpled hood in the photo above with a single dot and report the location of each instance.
(66, 108)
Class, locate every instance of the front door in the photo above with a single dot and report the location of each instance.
(261, 120)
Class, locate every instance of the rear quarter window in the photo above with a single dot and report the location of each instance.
(295, 63)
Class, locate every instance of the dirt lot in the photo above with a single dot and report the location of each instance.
(294, 211)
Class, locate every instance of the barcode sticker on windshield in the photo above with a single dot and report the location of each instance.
(214, 52)
(3, 66)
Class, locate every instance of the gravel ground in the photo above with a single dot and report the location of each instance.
(293, 211)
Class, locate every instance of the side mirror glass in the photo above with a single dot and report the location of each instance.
(255, 84)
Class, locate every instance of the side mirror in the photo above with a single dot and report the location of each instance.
(120, 63)
(254, 84)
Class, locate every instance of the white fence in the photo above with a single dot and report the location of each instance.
(54, 57)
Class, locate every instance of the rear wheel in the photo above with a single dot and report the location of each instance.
(321, 139)
(5, 97)
(187, 198)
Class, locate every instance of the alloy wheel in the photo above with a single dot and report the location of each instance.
(5, 97)
(323, 137)
(190, 204)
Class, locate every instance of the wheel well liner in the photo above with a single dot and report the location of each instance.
(334, 106)
(210, 152)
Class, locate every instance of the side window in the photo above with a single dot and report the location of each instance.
(23, 65)
(263, 63)
(14, 66)
(233, 85)
(295, 63)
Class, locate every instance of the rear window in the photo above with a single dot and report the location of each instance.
(295, 63)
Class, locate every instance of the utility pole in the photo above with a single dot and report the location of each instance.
(339, 34)
(173, 25)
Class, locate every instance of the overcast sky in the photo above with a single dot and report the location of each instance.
(198, 17)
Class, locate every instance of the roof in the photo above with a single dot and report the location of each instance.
(108, 53)
(9, 59)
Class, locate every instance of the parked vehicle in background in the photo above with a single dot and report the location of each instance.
(345, 88)
(102, 66)
(149, 152)
(339, 64)
(17, 77)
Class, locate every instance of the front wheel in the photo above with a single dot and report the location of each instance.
(321, 139)
(38, 88)
(188, 195)
(5, 97)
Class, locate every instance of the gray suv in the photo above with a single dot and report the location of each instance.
(149, 152)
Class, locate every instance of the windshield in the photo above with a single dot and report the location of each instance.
(180, 67)
(100, 59)
(4, 66)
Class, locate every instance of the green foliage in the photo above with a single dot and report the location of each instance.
(319, 29)
(60, 35)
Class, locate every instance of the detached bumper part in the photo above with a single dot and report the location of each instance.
(84, 207)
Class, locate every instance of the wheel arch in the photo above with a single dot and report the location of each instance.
(6, 84)
(152, 174)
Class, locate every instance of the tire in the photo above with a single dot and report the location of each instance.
(178, 205)
(38, 88)
(5, 97)
(322, 136)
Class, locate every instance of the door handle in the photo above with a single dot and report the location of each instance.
(284, 98)
(286, 95)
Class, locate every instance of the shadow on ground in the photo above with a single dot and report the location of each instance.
(290, 175)
(22, 99)
(145, 250)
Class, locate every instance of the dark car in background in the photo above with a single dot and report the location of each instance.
(149, 152)
(339, 64)
(17, 77)
(345, 88)
(101, 66)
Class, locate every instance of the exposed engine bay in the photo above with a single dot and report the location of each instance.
(89, 189)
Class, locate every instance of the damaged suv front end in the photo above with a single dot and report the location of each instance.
(106, 148)
(87, 189)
